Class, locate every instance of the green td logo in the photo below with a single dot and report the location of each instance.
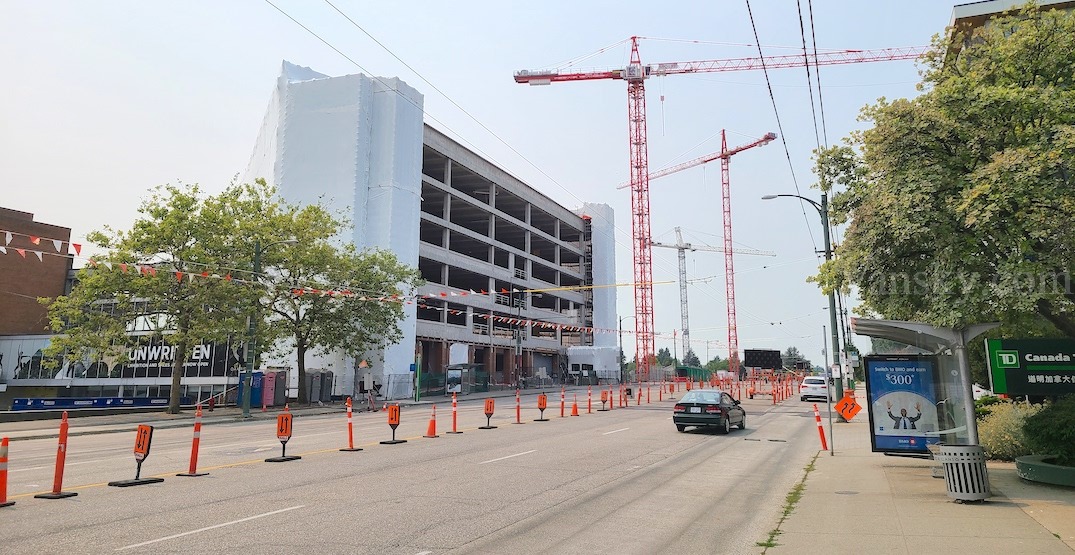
(1008, 359)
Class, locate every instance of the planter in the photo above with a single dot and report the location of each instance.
(1035, 468)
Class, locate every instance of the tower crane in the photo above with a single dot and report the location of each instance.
(683, 248)
(635, 74)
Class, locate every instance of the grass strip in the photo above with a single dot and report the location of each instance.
(790, 501)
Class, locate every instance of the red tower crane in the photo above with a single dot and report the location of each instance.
(635, 74)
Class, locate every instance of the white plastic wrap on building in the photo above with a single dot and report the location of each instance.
(354, 144)
(603, 240)
(603, 360)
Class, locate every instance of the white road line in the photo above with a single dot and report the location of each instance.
(614, 431)
(173, 536)
(509, 456)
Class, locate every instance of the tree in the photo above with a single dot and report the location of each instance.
(324, 298)
(792, 356)
(959, 201)
(664, 357)
(165, 277)
(691, 359)
(717, 364)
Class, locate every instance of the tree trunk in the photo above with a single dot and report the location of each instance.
(1062, 322)
(177, 375)
(300, 351)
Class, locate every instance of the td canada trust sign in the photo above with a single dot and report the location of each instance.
(1031, 366)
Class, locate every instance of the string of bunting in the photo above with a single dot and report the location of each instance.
(151, 270)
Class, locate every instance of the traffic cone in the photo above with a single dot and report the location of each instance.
(575, 406)
(432, 430)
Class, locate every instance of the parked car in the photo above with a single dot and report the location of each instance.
(709, 407)
(814, 387)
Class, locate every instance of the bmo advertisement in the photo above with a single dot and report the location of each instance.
(903, 403)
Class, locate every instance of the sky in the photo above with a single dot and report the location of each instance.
(103, 101)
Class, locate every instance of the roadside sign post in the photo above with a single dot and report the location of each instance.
(543, 401)
(143, 439)
(283, 433)
(604, 399)
(393, 422)
(489, 405)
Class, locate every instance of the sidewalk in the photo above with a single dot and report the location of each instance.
(858, 502)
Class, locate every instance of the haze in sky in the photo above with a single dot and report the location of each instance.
(105, 100)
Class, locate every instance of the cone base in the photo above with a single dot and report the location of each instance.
(351, 449)
(140, 481)
(453, 432)
(393, 441)
(192, 474)
(541, 420)
(283, 459)
(58, 495)
(7, 504)
(486, 427)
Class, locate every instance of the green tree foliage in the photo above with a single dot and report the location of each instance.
(792, 356)
(164, 277)
(691, 359)
(322, 298)
(959, 201)
(664, 357)
(716, 364)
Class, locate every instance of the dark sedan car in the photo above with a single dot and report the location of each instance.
(709, 407)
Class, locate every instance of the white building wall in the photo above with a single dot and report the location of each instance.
(603, 234)
(352, 143)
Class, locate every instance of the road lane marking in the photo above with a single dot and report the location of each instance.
(614, 431)
(207, 528)
(509, 456)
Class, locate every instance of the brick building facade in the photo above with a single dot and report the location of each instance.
(39, 270)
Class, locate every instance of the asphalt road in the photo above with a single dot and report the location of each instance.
(609, 482)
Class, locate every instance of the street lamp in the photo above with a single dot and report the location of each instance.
(623, 361)
(823, 211)
(252, 328)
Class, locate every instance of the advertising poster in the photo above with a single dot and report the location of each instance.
(454, 380)
(900, 390)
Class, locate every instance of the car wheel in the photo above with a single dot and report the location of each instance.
(743, 423)
(726, 426)
(681, 427)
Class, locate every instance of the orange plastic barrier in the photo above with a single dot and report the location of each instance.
(61, 455)
(393, 422)
(431, 431)
(543, 402)
(193, 470)
(518, 409)
(455, 409)
(489, 406)
(575, 406)
(820, 429)
(3, 474)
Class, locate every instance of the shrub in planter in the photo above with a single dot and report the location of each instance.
(1000, 432)
(1052, 431)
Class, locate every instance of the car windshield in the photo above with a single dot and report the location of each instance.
(702, 397)
(814, 381)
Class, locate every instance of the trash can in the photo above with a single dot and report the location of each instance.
(965, 473)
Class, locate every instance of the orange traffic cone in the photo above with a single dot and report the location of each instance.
(432, 430)
(575, 406)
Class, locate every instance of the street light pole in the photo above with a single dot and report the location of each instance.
(823, 211)
(252, 328)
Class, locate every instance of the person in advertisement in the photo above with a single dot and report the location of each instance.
(901, 384)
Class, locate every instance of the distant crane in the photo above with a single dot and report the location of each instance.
(635, 74)
(683, 248)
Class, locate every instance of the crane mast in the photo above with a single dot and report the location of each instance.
(635, 74)
(640, 221)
